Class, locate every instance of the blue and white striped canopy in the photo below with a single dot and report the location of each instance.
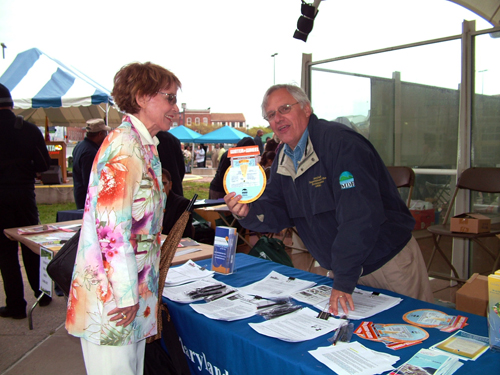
(42, 86)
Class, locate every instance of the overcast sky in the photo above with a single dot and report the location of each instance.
(220, 49)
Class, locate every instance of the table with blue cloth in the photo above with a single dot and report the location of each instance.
(234, 348)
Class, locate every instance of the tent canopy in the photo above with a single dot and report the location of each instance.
(488, 9)
(225, 134)
(184, 134)
(42, 86)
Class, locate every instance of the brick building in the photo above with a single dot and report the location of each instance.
(190, 117)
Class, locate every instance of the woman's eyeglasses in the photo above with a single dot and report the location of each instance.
(284, 109)
(172, 98)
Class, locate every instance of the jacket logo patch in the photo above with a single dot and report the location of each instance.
(346, 180)
(317, 181)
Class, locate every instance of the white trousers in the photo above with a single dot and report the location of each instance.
(113, 360)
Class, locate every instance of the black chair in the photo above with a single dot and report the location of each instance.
(403, 177)
(485, 180)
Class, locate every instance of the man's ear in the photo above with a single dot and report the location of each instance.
(308, 110)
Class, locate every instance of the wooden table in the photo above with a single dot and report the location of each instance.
(28, 240)
(12, 233)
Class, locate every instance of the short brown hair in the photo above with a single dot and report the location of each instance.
(140, 79)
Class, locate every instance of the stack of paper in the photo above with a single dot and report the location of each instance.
(186, 273)
(180, 293)
(233, 306)
(354, 359)
(428, 361)
(297, 326)
(276, 285)
(365, 303)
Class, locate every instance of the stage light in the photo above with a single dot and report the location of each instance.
(306, 20)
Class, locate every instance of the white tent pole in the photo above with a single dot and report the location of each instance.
(107, 114)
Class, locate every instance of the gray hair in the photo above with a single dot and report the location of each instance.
(294, 90)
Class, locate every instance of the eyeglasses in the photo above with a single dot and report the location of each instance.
(284, 109)
(172, 98)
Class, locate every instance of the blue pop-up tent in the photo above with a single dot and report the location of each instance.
(43, 87)
(184, 134)
(226, 134)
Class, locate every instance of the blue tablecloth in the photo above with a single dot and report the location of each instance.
(233, 348)
(69, 215)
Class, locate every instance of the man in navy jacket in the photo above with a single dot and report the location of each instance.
(83, 158)
(330, 183)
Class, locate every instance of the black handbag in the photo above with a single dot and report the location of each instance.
(60, 268)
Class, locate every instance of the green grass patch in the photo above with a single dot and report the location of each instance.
(201, 188)
(48, 212)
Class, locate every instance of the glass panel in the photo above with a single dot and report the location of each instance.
(406, 102)
(486, 103)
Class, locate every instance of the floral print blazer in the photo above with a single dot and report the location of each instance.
(118, 253)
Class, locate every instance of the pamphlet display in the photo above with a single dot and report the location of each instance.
(494, 310)
(225, 242)
(245, 176)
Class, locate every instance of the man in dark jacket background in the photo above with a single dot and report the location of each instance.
(172, 159)
(83, 158)
(330, 183)
(23, 153)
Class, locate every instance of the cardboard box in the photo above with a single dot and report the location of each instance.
(470, 223)
(472, 297)
(423, 218)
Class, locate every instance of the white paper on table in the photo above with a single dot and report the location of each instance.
(179, 293)
(186, 273)
(300, 325)
(276, 285)
(319, 294)
(235, 306)
(354, 359)
(366, 303)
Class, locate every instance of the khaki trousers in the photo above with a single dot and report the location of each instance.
(405, 274)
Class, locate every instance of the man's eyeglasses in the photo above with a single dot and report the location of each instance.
(172, 98)
(284, 109)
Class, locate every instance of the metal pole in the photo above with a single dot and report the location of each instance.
(274, 67)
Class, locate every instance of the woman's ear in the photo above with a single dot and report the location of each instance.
(141, 100)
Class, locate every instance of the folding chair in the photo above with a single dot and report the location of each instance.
(403, 177)
(485, 180)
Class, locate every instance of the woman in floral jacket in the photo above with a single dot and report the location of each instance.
(114, 293)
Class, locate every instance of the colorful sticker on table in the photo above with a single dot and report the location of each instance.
(428, 318)
(245, 179)
(400, 332)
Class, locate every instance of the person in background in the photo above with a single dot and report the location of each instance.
(23, 153)
(330, 183)
(266, 161)
(258, 140)
(83, 157)
(216, 190)
(199, 156)
(221, 151)
(271, 145)
(113, 299)
(205, 148)
(215, 156)
(176, 205)
(172, 159)
(187, 156)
